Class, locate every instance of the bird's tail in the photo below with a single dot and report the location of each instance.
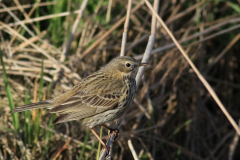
(42, 104)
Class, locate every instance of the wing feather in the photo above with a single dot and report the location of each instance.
(95, 96)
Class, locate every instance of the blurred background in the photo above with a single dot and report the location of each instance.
(172, 117)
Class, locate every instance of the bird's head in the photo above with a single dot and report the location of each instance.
(125, 66)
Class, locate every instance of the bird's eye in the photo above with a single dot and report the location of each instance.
(128, 65)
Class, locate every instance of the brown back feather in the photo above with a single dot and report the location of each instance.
(91, 99)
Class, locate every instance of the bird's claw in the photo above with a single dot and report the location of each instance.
(116, 131)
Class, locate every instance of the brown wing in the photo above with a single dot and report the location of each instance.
(96, 95)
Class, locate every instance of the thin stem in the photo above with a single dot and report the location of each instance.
(126, 25)
(132, 150)
(75, 25)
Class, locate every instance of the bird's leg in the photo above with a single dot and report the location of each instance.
(116, 131)
(104, 144)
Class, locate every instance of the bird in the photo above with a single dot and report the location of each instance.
(97, 99)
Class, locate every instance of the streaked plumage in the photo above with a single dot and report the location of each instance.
(99, 98)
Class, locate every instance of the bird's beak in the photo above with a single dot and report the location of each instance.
(142, 64)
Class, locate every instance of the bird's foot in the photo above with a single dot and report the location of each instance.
(116, 131)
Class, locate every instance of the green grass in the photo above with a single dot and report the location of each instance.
(31, 131)
(37, 120)
(9, 94)
(84, 146)
(43, 143)
(26, 122)
(99, 144)
(91, 150)
(178, 129)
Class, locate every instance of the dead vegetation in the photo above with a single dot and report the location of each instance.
(173, 116)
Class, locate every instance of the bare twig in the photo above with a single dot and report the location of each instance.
(149, 48)
(125, 31)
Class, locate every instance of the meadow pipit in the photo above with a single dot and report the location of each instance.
(99, 98)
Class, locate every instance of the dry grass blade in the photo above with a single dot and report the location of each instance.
(224, 51)
(109, 11)
(109, 31)
(205, 83)
(42, 18)
(15, 17)
(25, 27)
(26, 15)
(63, 148)
(26, 40)
(74, 28)
(28, 6)
(233, 146)
(173, 116)
(125, 30)
(132, 150)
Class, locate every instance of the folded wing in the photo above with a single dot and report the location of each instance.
(94, 97)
